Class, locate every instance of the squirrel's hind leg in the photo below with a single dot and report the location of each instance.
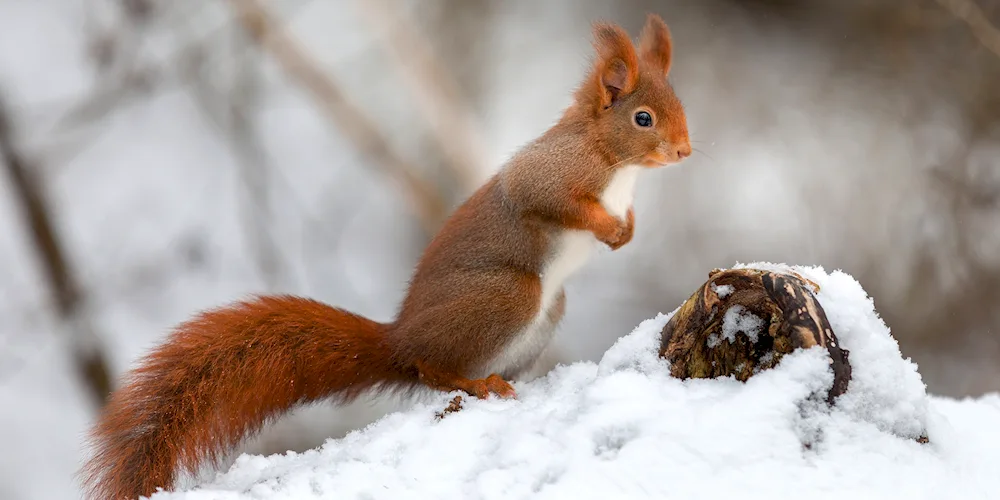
(480, 388)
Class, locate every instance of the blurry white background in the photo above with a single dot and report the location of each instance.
(157, 159)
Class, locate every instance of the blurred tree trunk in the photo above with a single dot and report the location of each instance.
(67, 296)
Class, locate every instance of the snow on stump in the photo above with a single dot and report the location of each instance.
(775, 312)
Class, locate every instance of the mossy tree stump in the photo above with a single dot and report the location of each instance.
(777, 313)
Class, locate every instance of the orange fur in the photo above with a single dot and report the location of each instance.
(472, 317)
(221, 376)
(616, 69)
(655, 44)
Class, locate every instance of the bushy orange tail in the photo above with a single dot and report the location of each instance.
(220, 377)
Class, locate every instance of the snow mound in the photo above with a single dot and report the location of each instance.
(623, 428)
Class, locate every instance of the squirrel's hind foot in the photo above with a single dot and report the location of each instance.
(479, 388)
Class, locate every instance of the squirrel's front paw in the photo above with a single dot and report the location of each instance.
(610, 235)
(629, 228)
(623, 231)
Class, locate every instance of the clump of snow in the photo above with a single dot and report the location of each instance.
(737, 319)
(766, 358)
(723, 291)
(624, 428)
(885, 390)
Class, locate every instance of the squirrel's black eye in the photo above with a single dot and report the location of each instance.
(643, 119)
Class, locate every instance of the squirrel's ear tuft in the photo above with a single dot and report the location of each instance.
(616, 67)
(655, 45)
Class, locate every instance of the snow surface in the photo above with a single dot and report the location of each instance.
(623, 428)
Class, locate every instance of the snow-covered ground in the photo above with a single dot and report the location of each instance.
(623, 428)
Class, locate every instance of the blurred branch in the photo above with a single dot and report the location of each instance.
(91, 364)
(425, 199)
(436, 91)
(115, 52)
(968, 306)
(126, 75)
(980, 25)
(198, 71)
(231, 111)
(974, 195)
(256, 172)
(252, 157)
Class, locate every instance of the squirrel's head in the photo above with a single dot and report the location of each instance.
(627, 100)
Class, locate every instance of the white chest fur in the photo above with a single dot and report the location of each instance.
(572, 249)
(575, 247)
(618, 196)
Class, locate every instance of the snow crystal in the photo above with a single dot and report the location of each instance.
(736, 320)
(723, 291)
(766, 358)
(624, 428)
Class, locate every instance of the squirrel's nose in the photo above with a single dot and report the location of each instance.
(684, 151)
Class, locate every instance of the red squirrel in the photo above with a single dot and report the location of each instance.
(482, 304)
